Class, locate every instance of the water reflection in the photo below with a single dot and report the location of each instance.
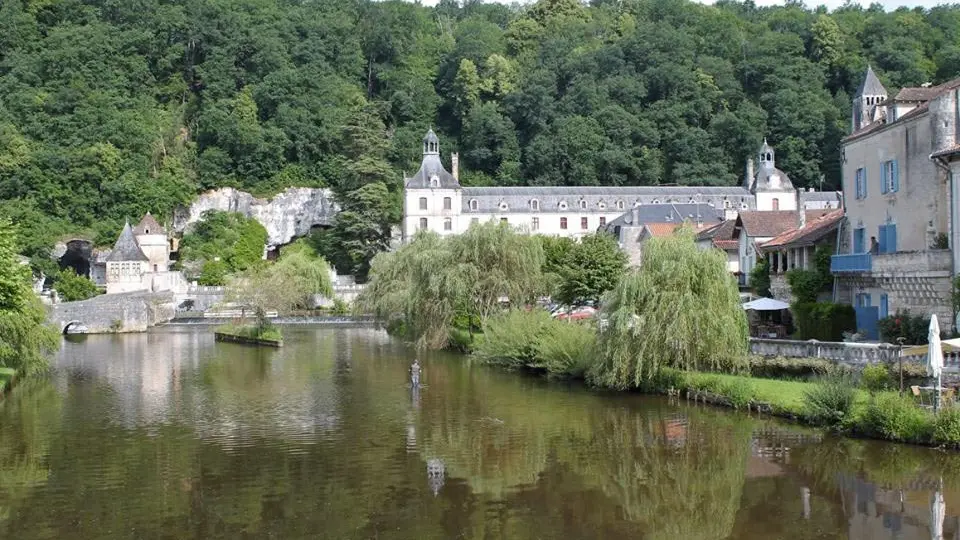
(169, 434)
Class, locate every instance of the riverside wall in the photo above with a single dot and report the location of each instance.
(114, 313)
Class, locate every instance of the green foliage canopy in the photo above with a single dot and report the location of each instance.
(229, 237)
(71, 287)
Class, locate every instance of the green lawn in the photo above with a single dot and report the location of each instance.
(5, 375)
(783, 395)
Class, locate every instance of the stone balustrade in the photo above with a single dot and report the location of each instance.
(851, 354)
(912, 262)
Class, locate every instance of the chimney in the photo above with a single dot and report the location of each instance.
(748, 177)
(801, 211)
(635, 214)
(455, 165)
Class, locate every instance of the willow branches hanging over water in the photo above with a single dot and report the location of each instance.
(681, 309)
(426, 284)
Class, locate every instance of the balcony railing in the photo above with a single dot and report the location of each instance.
(855, 262)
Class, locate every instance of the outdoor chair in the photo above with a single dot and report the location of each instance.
(915, 390)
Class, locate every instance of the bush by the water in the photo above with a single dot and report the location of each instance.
(946, 427)
(830, 401)
(823, 321)
(533, 339)
(268, 332)
(892, 417)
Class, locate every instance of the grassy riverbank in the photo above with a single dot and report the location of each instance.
(252, 334)
(6, 377)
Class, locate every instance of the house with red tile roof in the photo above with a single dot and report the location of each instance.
(796, 248)
(901, 168)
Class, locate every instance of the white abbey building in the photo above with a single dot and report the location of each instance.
(434, 199)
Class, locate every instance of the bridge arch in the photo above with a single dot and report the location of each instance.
(69, 325)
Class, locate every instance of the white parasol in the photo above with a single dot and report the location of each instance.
(934, 354)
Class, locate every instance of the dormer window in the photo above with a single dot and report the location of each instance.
(620, 205)
(535, 204)
(583, 204)
(503, 206)
(637, 203)
(602, 205)
(474, 205)
(434, 181)
(693, 201)
(656, 201)
(744, 206)
(562, 205)
(726, 203)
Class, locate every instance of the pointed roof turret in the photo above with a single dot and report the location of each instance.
(148, 225)
(871, 85)
(432, 174)
(127, 248)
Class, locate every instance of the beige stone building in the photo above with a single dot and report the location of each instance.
(899, 185)
(140, 260)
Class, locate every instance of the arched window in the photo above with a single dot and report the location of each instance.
(776, 204)
(620, 205)
(535, 204)
(656, 201)
(726, 203)
(744, 206)
(434, 181)
(423, 223)
(692, 201)
(583, 204)
(474, 205)
(637, 203)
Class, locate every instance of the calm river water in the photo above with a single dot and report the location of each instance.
(170, 435)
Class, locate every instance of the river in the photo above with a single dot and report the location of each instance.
(169, 435)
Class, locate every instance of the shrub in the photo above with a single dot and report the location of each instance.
(340, 307)
(946, 427)
(565, 349)
(824, 321)
(830, 401)
(665, 380)
(71, 287)
(213, 274)
(889, 416)
(760, 278)
(511, 338)
(791, 368)
(912, 328)
(705, 383)
(738, 391)
(876, 378)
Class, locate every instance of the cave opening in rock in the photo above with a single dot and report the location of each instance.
(78, 256)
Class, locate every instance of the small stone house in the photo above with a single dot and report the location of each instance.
(753, 229)
(139, 260)
(720, 236)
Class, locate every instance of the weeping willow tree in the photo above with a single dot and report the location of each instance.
(425, 285)
(680, 309)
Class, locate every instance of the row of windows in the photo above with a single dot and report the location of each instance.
(889, 179)
(884, 242)
(534, 223)
(535, 204)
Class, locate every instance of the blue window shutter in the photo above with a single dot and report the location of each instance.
(884, 306)
(864, 183)
(883, 176)
(882, 239)
(896, 175)
(859, 300)
(856, 181)
(892, 238)
(858, 240)
(867, 300)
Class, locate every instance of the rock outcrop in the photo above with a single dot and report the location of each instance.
(287, 216)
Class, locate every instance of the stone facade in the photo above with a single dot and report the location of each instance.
(139, 261)
(434, 199)
(116, 313)
(900, 196)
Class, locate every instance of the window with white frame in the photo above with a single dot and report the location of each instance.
(448, 224)
(583, 204)
(620, 205)
(535, 205)
(890, 176)
(423, 223)
(447, 203)
(602, 205)
(860, 183)
(535, 224)
(423, 203)
(562, 205)
(474, 205)
(504, 206)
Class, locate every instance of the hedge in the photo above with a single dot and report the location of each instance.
(823, 321)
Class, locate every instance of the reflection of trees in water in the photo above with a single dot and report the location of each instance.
(29, 414)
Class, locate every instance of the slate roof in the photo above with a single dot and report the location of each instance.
(771, 224)
(871, 85)
(502, 200)
(912, 94)
(808, 235)
(667, 213)
(148, 225)
(431, 167)
(127, 249)
(770, 178)
(827, 196)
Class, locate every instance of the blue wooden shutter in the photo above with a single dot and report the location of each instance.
(857, 182)
(867, 299)
(882, 239)
(884, 167)
(891, 238)
(858, 240)
(896, 175)
(884, 306)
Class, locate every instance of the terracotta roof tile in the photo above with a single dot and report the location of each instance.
(760, 224)
(813, 231)
(721, 231)
(726, 245)
(661, 229)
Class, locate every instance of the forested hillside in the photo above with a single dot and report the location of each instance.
(110, 108)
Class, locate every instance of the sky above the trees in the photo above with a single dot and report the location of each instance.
(832, 4)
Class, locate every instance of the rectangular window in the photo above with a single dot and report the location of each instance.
(860, 183)
(890, 176)
(584, 223)
(448, 224)
(859, 240)
(603, 221)
(776, 204)
(535, 224)
(884, 177)
(884, 306)
(447, 203)
(423, 223)
(563, 223)
(423, 203)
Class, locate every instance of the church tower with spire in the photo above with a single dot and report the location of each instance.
(432, 197)
(866, 103)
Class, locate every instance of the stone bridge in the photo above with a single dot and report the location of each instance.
(114, 313)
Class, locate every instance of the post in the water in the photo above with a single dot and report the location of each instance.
(415, 374)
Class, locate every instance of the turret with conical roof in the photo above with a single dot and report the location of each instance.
(866, 103)
(126, 249)
(431, 174)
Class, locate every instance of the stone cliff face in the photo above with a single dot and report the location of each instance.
(287, 216)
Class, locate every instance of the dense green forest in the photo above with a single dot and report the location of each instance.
(110, 108)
